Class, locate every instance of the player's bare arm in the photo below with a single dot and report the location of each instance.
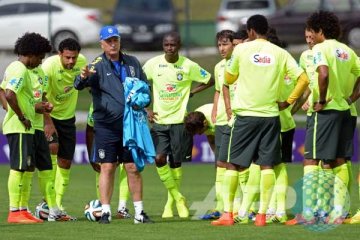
(13, 103)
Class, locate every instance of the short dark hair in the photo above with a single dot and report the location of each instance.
(194, 122)
(32, 44)
(174, 35)
(241, 34)
(69, 44)
(326, 21)
(229, 34)
(258, 23)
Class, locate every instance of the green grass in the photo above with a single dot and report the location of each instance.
(198, 181)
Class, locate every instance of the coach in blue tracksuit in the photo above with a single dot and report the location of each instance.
(105, 76)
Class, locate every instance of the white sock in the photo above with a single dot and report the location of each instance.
(106, 208)
(122, 205)
(138, 206)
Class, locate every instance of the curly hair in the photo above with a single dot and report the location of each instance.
(32, 44)
(69, 44)
(325, 21)
(241, 34)
(194, 122)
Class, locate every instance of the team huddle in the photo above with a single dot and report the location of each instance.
(249, 126)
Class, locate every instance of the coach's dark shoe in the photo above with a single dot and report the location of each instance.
(105, 218)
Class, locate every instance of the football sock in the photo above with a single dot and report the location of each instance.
(61, 184)
(341, 197)
(325, 191)
(26, 184)
(177, 175)
(123, 187)
(138, 207)
(46, 186)
(54, 165)
(239, 194)
(310, 187)
(267, 182)
(218, 192)
(168, 180)
(350, 172)
(237, 200)
(230, 183)
(106, 208)
(14, 186)
(97, 175)
(251, 190)
(281, 185)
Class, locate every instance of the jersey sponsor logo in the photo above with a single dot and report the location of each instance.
(262, 59)
(317, 57)
(169, 93)
(179, 76)
(40, 80)
(170, 87)
(162, 65)
(37, 93)
(342, 55)
(16, 82)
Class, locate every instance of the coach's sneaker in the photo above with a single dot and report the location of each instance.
(105, 218)
(226, 219)
(17, 217)
(123, 214)
(212, 214)
(182, 209)
(260, 220)
(168, 212)
(142, 218)
(29, 215)
(241, 220)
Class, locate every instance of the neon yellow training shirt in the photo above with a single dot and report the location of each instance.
(62, 93)
(171, 86)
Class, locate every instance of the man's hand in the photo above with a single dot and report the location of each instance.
(229, 113)
(49, 130)
(319, 106)
(283, 105)
(43, 107)
(305, 106)
(86, 72)
(26, 122)
(151, 115)
(95, 166)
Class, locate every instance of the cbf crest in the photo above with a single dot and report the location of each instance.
(179, 76)
(132, 71)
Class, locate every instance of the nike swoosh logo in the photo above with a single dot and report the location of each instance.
(188, 157)
(108, 74)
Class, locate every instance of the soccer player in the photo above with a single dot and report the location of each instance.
(259, 67)
(171, 75)
(24, 84)
(60, 127)
(123, 211)
(219, 116)
(329, 133)
(105, 76)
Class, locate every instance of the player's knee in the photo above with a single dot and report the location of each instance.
(160, 160)
(54, 148)
(63, 163)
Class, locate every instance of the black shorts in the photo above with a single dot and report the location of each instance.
(223, 151)
(255, 139)
(66, 137)
(42, 159)
(21, 146)
(108, 142)
(286, 145)
(172, 139)
(329, 135)
(353, 120)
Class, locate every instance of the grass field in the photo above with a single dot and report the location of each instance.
(197, 183)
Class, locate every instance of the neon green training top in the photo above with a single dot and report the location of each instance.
(343, 64)
(261, 68)
(221, 117)
(171, 86)
(62, 93)
(17, 79)
(206, 109)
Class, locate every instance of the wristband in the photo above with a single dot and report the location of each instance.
(22, 118)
